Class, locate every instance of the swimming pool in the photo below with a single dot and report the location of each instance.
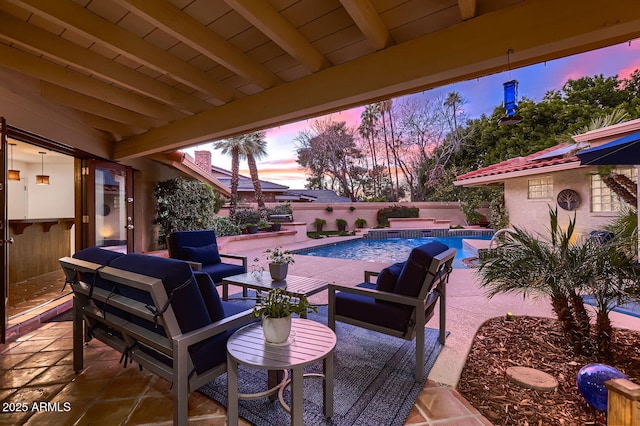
(389, 250)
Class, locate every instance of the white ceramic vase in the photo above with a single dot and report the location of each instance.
(278, 271)
(276, 330)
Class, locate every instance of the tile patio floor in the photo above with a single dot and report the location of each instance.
(36, 367)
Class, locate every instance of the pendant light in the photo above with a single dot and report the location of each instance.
(510, 98)
(13, 173)
(42, 179)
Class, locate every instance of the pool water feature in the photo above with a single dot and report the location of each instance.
(390, 250)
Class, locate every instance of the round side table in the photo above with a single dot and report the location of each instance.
(310, 341)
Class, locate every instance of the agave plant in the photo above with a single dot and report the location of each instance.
(564, 268)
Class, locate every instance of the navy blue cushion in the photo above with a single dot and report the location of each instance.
(204, 254)
(219, 271)
(187, 302)
(414, 272)
(97, 255)
(179, 239)
(364, 308)
(210, 295)
(388, 277)
(101, 257)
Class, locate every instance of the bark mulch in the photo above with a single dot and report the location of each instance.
(537, 343)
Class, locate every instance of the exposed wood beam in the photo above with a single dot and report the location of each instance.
(472, 49)
(118, 130)
(264, 17)
(91, 105)
(367, 19)
(467, 9)
(191, 32)
(70, 14)
(59, 49)
(55, 74)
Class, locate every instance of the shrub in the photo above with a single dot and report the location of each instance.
(329, 209)
(247, 215)
(281, 209)
(182, 205)
(361, 223)
(383, 215)
(224, 227)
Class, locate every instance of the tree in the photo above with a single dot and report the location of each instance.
(330, 153)
(251, 146)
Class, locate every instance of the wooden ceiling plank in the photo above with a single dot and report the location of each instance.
(367, 19)
(264, 17)
(91, 105)
(48, 71)
(69, 14)
(467, 9)
(191, 32)
(468, 50)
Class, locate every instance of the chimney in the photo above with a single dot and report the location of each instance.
(203, 160)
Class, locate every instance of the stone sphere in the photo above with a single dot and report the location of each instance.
(590, 381)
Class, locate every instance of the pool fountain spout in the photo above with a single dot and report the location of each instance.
(499, 232)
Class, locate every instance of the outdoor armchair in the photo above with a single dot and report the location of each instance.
(200, 248)
(402, 300)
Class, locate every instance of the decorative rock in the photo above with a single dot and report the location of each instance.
(531, 378)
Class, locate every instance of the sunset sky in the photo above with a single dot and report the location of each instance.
(482, 96)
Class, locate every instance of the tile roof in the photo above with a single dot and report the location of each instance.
(536, 160)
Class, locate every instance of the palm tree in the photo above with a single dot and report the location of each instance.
(367, 130)
(252, 147)
(232, 146)
(454, 99)
(564, 270)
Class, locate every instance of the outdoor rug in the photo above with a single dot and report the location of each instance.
(374, 381)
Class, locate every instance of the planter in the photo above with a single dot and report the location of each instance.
(253, 229)
(278, 271)
(342, 227)
(276, 330)
(275, 227)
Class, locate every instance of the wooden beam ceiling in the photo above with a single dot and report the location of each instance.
(367, 19)
(187, 29)
(72, 15)
(264, 17)
(471, 49)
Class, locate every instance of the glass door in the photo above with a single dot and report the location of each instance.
(110, 206)
(4, 232)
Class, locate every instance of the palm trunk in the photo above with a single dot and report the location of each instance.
(560, 304)
(235, 179)
(583, 321)
(604, 333)
(257, 188)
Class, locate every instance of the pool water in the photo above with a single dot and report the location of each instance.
(389, 250)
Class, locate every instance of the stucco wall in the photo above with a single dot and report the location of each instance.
(533, 215)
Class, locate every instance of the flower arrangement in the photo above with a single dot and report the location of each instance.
(280, 304)
(279, 256)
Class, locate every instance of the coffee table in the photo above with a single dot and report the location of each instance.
(310, 341)
(261, 281)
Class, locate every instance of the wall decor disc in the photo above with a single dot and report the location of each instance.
(568, 199)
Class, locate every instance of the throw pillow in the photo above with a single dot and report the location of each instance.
(388, 277)
(207, 255)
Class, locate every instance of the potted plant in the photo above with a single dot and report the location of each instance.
(276, 226)
(319, 223)
(252, 228)
(341, 224)
(275, 310)
(361, 223)
(279, 261)
(263, 225)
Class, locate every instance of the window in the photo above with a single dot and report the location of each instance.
(540, 188)
(603, 199)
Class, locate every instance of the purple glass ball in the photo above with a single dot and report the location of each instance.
(590, 381)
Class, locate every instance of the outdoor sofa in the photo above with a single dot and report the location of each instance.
(157, 312)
